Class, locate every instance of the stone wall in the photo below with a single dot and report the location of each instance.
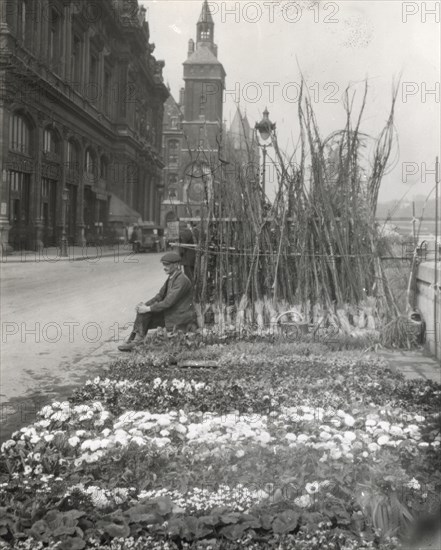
(426, 301)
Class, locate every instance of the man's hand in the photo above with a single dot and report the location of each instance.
(142, 308)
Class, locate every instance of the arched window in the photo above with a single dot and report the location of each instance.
(90, 163)
(173, 151)
(51, 143)
(19, 134)
(104, 167)
(55, 38)
(24, 19)
(73, 155)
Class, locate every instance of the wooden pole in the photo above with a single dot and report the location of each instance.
(414, 225)
(436, 292)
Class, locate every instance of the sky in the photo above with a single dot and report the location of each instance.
(265, 46)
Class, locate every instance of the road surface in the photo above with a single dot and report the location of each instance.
(60, 322)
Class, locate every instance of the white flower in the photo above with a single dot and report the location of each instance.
(335, 454)
(85, 445)
(46, 411)
(240, 453)
(350, 436)
(264, 437)
(37, 457)
(312, 488)
(423, 444)
(326, 436)
(396, 431)
(383, 439)
(105, 432)
(49, 437)
(419, 418)
(138, 440)
(180, 429)
(8, 444)
(27, 470)
(384, 425)
(370, 422)
(73, 441)
(373, 447)
(414, 484)
(349, 420)
(44, 423)
(164, 433)
(302, 438)
(95, 445)
(291, 437)
(304, 501)
(163, 421)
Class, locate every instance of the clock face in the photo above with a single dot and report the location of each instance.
(196, 179)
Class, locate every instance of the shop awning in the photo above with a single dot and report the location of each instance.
(119, 211)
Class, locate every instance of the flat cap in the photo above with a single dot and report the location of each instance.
(171, 258)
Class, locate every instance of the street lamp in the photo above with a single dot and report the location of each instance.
(65, 197)
(264, 128)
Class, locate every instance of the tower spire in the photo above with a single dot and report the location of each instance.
(205, 27)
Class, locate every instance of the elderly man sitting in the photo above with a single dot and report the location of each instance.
(171, 308)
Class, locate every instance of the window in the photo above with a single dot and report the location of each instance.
(90, 162)
(201, 137)
(45, 184)
(107, 91)
(172, 179)
(76, 59)
(174, 122)
(173, 151)
(23, 21)
(19, 134)
(73, 156)
(20, 197)
(104, 168)
(202, 103)
(205, 35)
(54, 39)
(50, 141)
(93, 69)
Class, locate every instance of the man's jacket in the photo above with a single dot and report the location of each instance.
(175, 300)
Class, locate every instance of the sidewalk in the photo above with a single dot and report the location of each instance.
(414, 365)
(74, 253)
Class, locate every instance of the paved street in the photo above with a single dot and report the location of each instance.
(61, 320)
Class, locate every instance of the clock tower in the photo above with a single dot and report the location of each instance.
(202, 106)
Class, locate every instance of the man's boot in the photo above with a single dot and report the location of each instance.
(134, 340)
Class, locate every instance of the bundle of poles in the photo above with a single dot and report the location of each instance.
(313, 250)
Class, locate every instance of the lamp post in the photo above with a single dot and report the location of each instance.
(264, 128)
(65, 197)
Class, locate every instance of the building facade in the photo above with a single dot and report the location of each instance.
(81, 107)
(201, 132)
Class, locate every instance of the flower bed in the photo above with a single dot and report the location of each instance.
(281, 446)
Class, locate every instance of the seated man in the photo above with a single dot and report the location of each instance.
(171, 308)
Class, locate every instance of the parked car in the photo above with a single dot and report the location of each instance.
(148, 238)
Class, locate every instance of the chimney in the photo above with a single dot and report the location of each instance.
(190, 47)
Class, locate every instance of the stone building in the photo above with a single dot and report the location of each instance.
(81, 107)
(194, 146)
